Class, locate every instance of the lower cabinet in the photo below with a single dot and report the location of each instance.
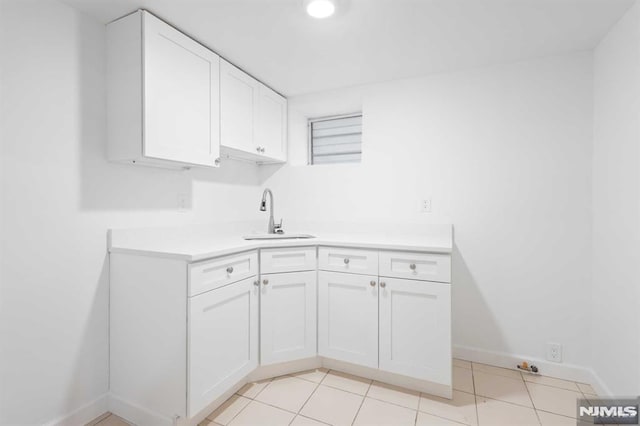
(397, 325)
(287, 317)
(415, 323)
(223, 340)
(184, 335)
(348, 317)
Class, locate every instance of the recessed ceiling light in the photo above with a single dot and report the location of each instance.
(320, 8)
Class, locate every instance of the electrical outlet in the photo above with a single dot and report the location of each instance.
(183, 202)
(554, 352)
(425, 205)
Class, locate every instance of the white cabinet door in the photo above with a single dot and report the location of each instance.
(271, 134)
(238, 108)
(223, 340)
(287, 317)
(415, 329)
(348, 317)
(181, 96)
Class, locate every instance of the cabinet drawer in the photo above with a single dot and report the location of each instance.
(219, 272)
(416, 266)
(348, 260)
(287, 260)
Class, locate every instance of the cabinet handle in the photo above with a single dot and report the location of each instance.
(265, 282)
(412, 266)
(256, 283)
(258, 148)
(372, 283)
(262, 150)
(229, 269)
(346, 260)
(383, 284)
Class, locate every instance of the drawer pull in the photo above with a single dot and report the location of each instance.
(229, 269)
(372, 283)
(412, 266)
(383, 284)
(256, 283)
(265, 282)
(346, 260)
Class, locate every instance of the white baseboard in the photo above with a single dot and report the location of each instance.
(571, 372)
(136, 414)
(280, 369)
(432, 388)
(599, 386)
(84, 414)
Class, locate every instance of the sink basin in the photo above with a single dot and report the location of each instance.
(277, 236)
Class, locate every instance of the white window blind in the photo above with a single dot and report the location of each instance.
(335, 139)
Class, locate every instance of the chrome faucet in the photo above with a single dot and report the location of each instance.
(272, 227)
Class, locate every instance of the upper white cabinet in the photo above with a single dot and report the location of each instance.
(164, 99)
(271, 135)
(253, 118)
(239, 96)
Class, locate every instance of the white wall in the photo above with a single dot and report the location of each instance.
(59, 197)
(616, 207)
(505, 154)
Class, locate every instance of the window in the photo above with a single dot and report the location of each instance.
(335, 139)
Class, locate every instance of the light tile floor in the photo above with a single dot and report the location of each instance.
(483, 396)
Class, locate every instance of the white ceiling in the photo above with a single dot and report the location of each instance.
(376, 40)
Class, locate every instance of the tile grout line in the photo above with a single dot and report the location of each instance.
(344, 390)
(361, 403)
(557, 414)
(317, 385)
(237, 414)
(299, 411)
(535, 409)
(98, 420)
(395, 404)
(307, 400)
(444, 418)
(280, 408)
(366, 394)
(555, 387)
(310, 418)
(242, 396)
(475, 395)
(508, 402)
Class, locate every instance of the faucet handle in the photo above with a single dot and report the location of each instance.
(277, 228)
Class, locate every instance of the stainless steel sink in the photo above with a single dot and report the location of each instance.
(277, 236)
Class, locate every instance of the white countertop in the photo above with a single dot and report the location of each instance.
(193, 244)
